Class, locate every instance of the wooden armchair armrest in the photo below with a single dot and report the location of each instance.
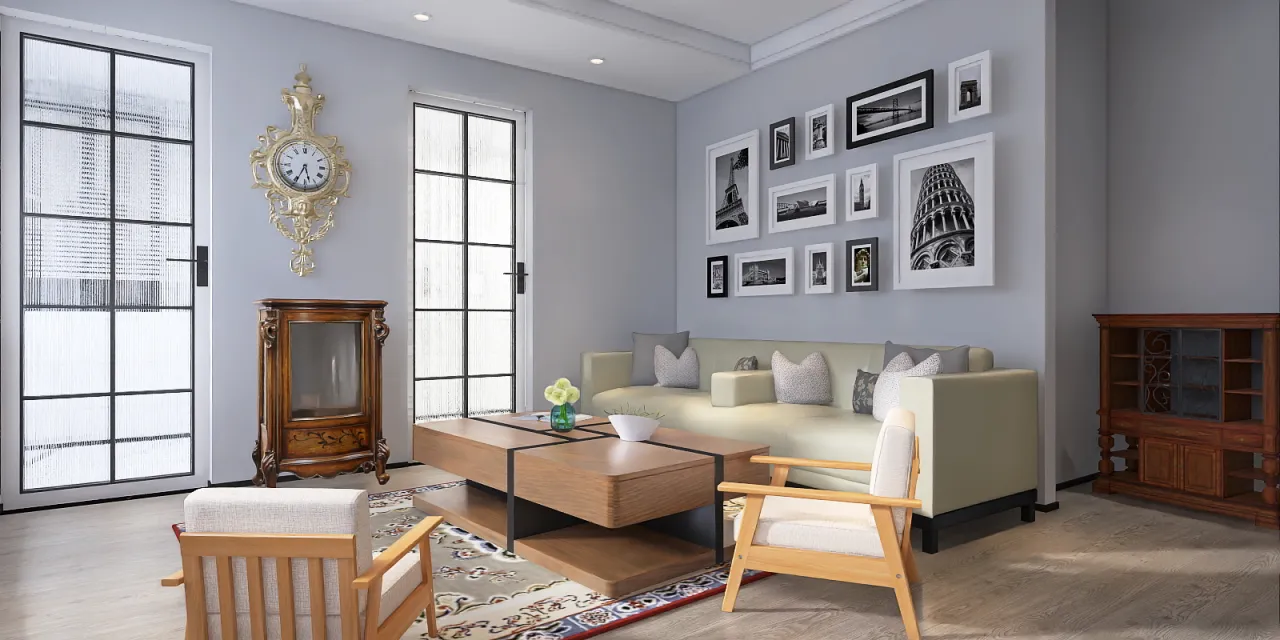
(173, 580)
(396, 551)
(817, 494)
(804, 462)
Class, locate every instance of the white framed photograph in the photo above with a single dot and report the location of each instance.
(763, 273)
(861, 189)
(943, 215)
(819, 268)
(969, 87)
(733, 202)
(818, 126)
(803, 204)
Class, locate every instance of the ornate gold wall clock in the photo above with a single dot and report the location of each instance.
(304, 173)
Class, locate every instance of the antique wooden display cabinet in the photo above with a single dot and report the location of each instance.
(1197, 400)
(320, 388)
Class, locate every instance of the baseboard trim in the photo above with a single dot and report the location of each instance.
(220, 485)
(1062, 486)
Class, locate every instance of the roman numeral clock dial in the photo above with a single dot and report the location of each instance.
(304, 174)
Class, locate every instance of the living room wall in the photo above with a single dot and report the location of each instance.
(1194, 225)
(1010, 317)
(601, 193)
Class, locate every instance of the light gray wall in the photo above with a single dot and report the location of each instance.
(1079, 267)
(602, 194)
(1193, 138)
(1009, 318)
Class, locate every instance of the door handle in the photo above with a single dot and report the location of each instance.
(520, 273)
(201, 262)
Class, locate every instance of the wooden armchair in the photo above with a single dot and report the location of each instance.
(314, 577)
(836, 535)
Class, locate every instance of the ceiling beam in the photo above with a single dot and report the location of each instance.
(833, 24)
(619, 17)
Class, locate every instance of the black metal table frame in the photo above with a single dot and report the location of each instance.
(526, 518)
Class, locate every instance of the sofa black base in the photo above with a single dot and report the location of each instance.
(929, 527)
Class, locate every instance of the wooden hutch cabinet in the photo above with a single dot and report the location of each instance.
(320, 388)
(1197, 400)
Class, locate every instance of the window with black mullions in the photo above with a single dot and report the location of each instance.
(107, 204)
(464, 252)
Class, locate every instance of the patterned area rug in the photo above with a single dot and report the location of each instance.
(485, 593)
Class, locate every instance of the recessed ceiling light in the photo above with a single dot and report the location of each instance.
(421, 17)
(597, 61)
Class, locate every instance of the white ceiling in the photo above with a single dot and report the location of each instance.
(669, 49)
(746, 21)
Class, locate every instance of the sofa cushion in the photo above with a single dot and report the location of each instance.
(864, 388)
(888, 392)
(849, 437)
(691, 410)
(953, 360)
(642, 346)
(808, 382)
(675, 372)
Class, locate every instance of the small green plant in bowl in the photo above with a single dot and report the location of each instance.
(634, 424)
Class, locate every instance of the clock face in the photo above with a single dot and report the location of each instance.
(303, 166)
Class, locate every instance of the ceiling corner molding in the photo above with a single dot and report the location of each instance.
(824, 28)
(618, 17)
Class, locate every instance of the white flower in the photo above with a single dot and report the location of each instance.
(574, 394)
(558, 397)
(563, 383)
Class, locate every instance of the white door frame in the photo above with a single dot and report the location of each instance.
(11, 495)
(523, 233)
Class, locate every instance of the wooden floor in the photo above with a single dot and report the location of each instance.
(1101, 568)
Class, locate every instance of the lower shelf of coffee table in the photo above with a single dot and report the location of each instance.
(615, 562)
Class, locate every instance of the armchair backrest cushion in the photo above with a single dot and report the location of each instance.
(891, 461)
(267, 511)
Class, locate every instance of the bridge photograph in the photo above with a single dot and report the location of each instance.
(764, 272)
(891, 110)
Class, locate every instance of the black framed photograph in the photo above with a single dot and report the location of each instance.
(862, 265)
(717, 277)
(888, 111)
(782, 148)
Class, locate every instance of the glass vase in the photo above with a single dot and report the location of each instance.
(563, 417)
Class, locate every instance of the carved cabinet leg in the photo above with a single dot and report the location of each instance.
(257, 463)
(380, 461)
(1270, 473)
(1105, 465)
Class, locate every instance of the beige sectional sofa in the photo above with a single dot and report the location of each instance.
(977, 430)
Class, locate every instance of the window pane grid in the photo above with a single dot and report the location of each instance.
(108, 142)
(464, 196)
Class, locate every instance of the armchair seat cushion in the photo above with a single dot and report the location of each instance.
(816, 525)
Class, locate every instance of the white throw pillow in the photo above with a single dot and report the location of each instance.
(677, 373)
(806, 383)
(888, 390)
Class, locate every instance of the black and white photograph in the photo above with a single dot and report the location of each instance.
(763, 273)
(862, 265)
(803, 204)
(782, 135)
(818, 125)
(969, 87)
(943, 215)
(717, 274)
(732, 205)
(891, 110)
(862, 193)
(817, 268)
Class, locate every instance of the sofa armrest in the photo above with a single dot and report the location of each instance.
(736, 388)
(979, 435)
(601, 372)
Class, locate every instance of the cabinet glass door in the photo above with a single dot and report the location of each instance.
(325, 365)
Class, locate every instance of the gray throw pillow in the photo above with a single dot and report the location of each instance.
(864, 389)
(806, 383)
(642, 345)
(953, 360)
(748, 363)
(673, 372)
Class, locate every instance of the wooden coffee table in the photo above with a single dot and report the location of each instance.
(615, 516)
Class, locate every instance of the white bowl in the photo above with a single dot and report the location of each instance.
(633, 428)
